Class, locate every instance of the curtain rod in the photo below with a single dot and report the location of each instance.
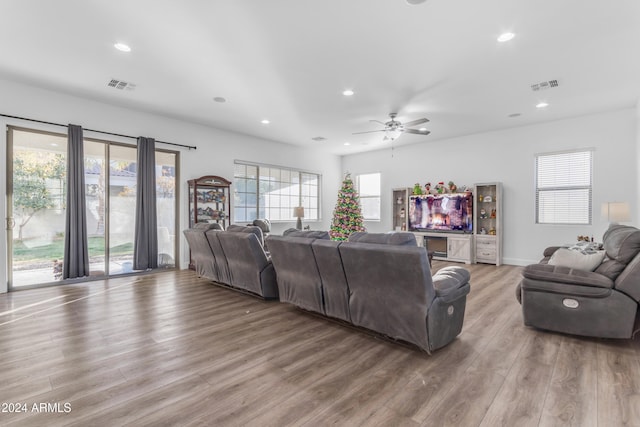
(190, 147)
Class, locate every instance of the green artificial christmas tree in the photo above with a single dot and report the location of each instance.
(347, 216)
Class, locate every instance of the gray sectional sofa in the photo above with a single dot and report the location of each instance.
(234, 257)
(381, 282)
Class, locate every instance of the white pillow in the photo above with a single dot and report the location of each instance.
(576, 259)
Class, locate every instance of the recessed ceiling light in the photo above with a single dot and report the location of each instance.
(53, 144)
(415, 1)
(347, 143)
(512, 115)
(348, 92)
(542, 105)
(219, 99)
(122, 47)
(505, 37)
(265, 122)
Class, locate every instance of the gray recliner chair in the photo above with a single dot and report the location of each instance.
(201, 255)
(600, 303)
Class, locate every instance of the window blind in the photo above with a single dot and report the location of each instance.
(563, 187)
(369, 192)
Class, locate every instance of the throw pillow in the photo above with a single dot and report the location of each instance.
(577, 259)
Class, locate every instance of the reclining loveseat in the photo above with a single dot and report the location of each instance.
(600, 303)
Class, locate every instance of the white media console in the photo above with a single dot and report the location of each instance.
(447, 246)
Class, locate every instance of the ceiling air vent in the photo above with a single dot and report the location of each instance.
(319, 138)
(544, 85)
(119, 84)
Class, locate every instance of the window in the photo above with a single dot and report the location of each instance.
(369, 191)
(563, 187)
(263, 191)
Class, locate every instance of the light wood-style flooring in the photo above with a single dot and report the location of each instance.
(172, 349)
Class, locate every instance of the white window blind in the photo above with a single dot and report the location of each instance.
(563, 187)
(369, 192)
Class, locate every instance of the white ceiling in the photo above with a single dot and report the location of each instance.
(290, 60)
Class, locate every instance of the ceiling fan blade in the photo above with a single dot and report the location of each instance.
(378, 121)
(368, 131)
(418, 132)
(416, 122)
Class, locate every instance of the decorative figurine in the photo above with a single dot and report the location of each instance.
(427, 188)
(402, 213)
(399, 200)
(417, 190)
(483, 214)
(493, 213)
(452, 187)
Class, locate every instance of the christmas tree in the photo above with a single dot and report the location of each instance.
(347, 216)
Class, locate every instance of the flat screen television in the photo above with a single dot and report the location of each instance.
(441, 212)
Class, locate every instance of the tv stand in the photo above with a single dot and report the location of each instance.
(456, 247)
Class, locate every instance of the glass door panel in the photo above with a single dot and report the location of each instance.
(95, 197)
(166, 207)
(37, 200)
(122, 207)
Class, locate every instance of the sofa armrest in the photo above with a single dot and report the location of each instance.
(451, 283)
(550, 251)
(566, 275)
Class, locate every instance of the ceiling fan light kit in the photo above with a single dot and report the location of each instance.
(393, 129)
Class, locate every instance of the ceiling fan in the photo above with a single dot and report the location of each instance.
(393, 129)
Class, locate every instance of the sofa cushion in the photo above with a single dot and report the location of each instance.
(622, 243)
(249, 267)
(252, 229)
(222, 266)
(561, 274)
(201, 252)
(396, 238)
(308, 234)
(208, 226)
(334, 282)
(298, 278)
(263, 223)
(576, 259)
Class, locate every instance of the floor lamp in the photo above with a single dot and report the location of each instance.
(298, 212)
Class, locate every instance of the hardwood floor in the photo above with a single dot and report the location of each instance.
(172, 349)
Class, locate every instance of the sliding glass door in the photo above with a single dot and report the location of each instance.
(36, 197)
(36, 177)
(122, 208)
(166, 201)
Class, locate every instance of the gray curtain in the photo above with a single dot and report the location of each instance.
(145, 247)
(76, 253)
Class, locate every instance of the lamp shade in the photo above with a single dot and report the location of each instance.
(616, 211)
(298, 212)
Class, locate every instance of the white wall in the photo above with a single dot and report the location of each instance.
(216, 151)
(637, 194)
(508, 156)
